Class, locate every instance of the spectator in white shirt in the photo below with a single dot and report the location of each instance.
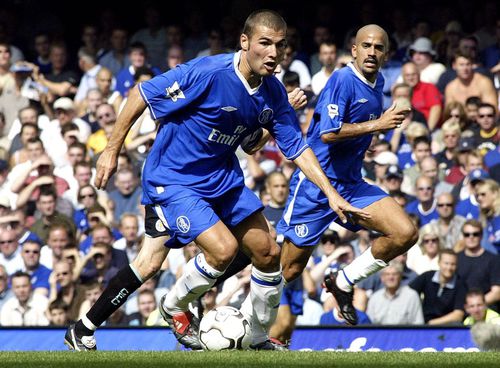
(10, 252)
(328, 59)
(25, 308)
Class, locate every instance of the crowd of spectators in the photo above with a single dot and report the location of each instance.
(61, 240)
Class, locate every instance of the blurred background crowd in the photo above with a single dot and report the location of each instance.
(65, 75)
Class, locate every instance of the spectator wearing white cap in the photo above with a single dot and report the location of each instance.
(55, 146)
(382, 161)
(422, 54)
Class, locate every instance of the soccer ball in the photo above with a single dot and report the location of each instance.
(224, 328)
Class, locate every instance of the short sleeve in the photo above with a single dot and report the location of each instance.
(174, 90)
(335, 102)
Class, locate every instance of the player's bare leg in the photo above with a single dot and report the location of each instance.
(285, 323)
(398, 235)
(80, 336)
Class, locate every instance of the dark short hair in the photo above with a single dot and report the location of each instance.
(30, 125)
(20, 274)
(459, 53)
(143, 70)
(446, 251)
(263, 17)
(475, 292)
(291, 78)
(58, 304)
(485, 104)
(473, 100)
(419, 140)
(138, 46)
(68, 128)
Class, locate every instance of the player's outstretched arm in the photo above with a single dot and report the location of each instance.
(309, 165)
(390, 119)
(106, 165)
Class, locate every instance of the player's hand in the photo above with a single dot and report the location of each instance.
(105, 167)
(297, 99)
(347, 212)
(393, 117)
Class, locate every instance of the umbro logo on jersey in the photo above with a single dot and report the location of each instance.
(174, 92)
(229, 108)
(362, 100)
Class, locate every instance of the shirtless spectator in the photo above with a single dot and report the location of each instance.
(469, 83)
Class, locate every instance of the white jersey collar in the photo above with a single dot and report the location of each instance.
(236, 62)
(361, 76)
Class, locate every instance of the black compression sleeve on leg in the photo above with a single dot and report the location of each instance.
(114, 296)
(239, 263)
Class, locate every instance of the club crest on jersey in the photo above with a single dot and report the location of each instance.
(266, 115)
(301, 230)
(174, 92)
(183, 224)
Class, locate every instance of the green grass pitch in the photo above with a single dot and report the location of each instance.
(244, 359)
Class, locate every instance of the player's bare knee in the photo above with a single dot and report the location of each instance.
(221, 257)
(407, 235)
(146, 268)
(291, 271)
(267, 258)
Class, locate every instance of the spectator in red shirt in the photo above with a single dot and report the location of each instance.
(425, 96)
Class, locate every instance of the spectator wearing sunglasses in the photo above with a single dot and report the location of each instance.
(478, 267)
(449, 225)
(39, 274)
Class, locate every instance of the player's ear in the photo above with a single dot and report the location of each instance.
(244, 42)
(354, 51)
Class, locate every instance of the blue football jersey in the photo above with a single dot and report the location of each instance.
(205, 108)
(347, 97)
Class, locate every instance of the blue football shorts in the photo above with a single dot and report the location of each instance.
(294, 299)
(186, 214)
(307, 214)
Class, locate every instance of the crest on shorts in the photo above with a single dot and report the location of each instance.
(301, 230)
(183, 224)
(266, 115)
(159, 226)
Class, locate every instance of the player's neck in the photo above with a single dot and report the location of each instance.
(253, 79)
(370, 78)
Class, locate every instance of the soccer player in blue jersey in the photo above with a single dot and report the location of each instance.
(193, 186)
(349, 110)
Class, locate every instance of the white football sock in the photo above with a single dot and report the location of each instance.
(362, 267)
(265, 294)
(246, 307)
(198, 277)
